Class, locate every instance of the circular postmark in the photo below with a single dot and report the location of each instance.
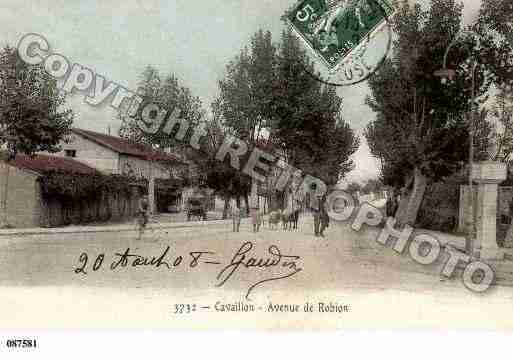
(347, 40)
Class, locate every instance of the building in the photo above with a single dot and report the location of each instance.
(114, 155)
(87, 154)
(23, 201)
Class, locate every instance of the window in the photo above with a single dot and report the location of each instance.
(71, 153)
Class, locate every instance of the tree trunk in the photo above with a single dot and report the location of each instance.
(4, 223)
(415, 198)
(226, 206)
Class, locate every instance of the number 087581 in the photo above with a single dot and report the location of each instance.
(21, 343)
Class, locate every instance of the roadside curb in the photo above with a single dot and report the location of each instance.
(106, 229)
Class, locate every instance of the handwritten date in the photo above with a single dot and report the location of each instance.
(281, 265)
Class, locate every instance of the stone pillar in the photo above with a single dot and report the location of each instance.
(487, 175)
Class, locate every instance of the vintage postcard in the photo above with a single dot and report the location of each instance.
(286, 164)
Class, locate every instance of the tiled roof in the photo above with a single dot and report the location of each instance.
(126, 147)
(42, 163)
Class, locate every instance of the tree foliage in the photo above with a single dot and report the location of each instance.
(495, 27)
(306, 121)
(421, 130)
(77, 186)
(167, 92)
(32, 117)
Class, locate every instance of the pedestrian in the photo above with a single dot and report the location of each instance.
(256, 219)
(142, 215)
(236, 218)
(315, 206)
(260, 218)
(395, 205)
(389, 206)
(323, 217)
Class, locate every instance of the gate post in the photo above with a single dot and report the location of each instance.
(487, 175)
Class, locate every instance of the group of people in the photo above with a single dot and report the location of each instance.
(256, 218)
(317, 208)
(321, 218)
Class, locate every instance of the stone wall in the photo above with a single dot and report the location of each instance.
(107, 207)
(23, 197)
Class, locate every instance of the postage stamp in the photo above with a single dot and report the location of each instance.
(338, 32)
(334, 29)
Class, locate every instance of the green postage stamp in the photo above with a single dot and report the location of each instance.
(333, 29)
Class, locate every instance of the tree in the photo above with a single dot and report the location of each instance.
(246, 90)
(421, 131)
(246, 93)
(268, 94)
(31, 115)
(169, 95)
(219, 176)
(495, 27)
(306, 121)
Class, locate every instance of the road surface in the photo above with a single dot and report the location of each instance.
(41, 288)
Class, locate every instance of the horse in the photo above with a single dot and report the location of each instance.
(290, 219)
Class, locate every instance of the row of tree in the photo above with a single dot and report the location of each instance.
(422, 127)
(268, 99)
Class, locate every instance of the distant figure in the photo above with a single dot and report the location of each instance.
(262, 217)
(315, 207)
(255, 219)
(236, 218)
(274, 218)
(142, 215)
(323, 217)
(390, 206)
(395, 205)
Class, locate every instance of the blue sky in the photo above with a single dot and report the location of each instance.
(192, 38)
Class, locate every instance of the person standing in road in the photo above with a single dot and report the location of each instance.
(315, 209)
(142, 215)
(323, 216)
(256, 218)
(236, 218)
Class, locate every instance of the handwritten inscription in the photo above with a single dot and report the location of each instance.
(282, 265)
